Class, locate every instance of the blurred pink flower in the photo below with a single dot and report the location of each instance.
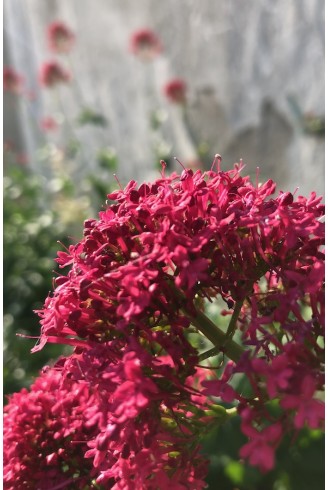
(308, 409)
(175, 90)
(260, 450)
(145, 44)
(52, 73)
(220, 387)
(22, 158)
(60, 37)
(48, 124)
(12, 81)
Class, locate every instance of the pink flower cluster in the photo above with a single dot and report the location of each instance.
(113, 416)
(60, 37)
(176, 91)
(52, 74)
(207, 234)
(46, 434)
(145, 44)
(138, 280)
(12, 81)
(60, 40)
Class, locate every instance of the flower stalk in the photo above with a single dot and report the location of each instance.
(220, 339)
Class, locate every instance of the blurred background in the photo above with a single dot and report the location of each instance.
(103, 88)
(253, 72)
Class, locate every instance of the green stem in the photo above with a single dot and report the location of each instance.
(215, 335)
(233, 321)
(229, 334)
(222, 341)
(209, 353)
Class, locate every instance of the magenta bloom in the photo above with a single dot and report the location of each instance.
(220, 387)
(308, 411)
(60, 37)
(45, 436)
(261, 449)
(145, 44)
(99, 418)
(176, 91)
(277, 374)
(204, 234)
(53, 74)
(136, 283)
(12, 81)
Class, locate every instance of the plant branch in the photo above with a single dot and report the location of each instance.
(229, 334)
(209, 353)
(233, 321)
(215, 335)
(222, 342)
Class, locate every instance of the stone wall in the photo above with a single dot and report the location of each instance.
(254, 69)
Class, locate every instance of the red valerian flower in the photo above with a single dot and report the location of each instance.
(52, 74)
(145, 437)
(12, 81)
(145, 44)
(260, 450)
(48, 124)
(45, 436)
(277, 374)
(308, 409)
(127, 268)
(176, 91)
(220, 387)
(110, 416)
(141, 276)
(60, 37)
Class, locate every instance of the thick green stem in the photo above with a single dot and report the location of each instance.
(222, 341)
(215, 335)
(229, 334)
(209, 353)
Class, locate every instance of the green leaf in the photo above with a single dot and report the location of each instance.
(235, 472)
(107, 159)
(89, 116)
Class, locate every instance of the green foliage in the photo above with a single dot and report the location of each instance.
(107, 159)
(72, 148)
(101, 182)
(31, 231)
(39, 213)
(89, 116)
(299, 461)
(314, 125)
(299, 465)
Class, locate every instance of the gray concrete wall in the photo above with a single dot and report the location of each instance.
(247, 64)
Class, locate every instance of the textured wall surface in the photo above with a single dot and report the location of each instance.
(244, 62)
